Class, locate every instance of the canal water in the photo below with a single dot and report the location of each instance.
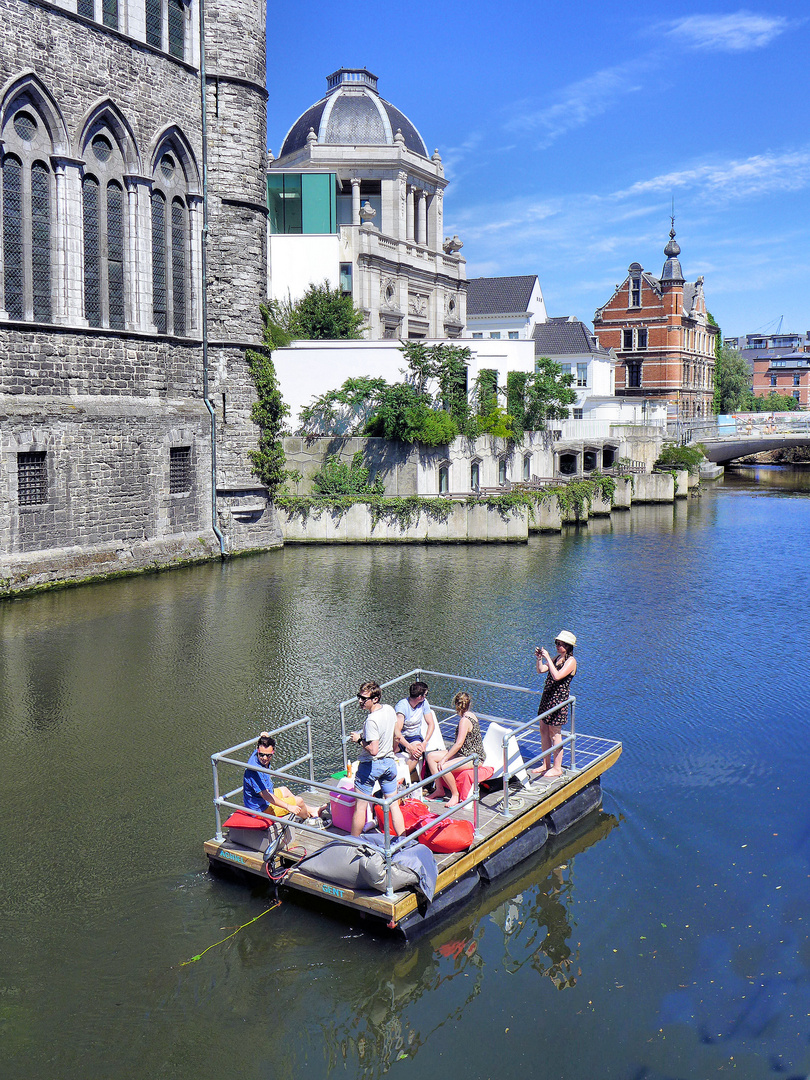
(665, 939)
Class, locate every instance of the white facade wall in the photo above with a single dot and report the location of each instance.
(294, 262)
(307, 369)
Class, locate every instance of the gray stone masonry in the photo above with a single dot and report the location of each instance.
(107, 407)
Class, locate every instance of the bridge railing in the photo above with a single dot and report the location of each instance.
(739, 425)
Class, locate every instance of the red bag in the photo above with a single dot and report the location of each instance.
(414, 814)
(464, 779)
(240, 819)
(448, 836)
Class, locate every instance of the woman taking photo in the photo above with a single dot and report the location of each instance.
(561, 670)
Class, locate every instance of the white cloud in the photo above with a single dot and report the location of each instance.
(748, 178)
(575, 105)
(738, 32)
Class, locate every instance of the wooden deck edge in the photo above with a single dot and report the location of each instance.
(517, 825)
(397, 909)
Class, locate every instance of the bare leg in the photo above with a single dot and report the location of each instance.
(301, 807)
(450, 783)
(545, 743)
(556, 740)
(397, 820)
(359, 817)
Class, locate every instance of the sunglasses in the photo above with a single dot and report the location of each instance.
(361, 697)
(260, 754)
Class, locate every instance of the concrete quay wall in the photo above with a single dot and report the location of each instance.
(477, 524)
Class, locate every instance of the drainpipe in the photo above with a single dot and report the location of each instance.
(204, 269)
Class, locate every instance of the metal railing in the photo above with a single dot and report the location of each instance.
(391, 844)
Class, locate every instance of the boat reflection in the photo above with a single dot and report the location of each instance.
(524, 920)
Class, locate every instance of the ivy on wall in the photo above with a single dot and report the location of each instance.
(576, 497)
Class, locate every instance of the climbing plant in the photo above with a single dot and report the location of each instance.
(268, 414)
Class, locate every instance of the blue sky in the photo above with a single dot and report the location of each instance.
(567, 128)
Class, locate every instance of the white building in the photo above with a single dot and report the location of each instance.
(355, 199)
(569, 343)
(504, 307)
(308, 369)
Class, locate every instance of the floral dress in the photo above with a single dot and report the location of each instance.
(473, 743)
(554, 693)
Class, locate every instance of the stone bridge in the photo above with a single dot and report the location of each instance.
(735, 437)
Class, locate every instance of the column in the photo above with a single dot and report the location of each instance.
(195, 229)
(411, 193)
(437, 220)
(69, 268)
(421, 218)
(402, 201)
(138, 280)
(355, 202)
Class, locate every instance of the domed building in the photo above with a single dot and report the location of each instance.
(354, 198)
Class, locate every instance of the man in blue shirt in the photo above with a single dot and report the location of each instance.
(258, 790)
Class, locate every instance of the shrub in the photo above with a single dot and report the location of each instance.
(335, 477)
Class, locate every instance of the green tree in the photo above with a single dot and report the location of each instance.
(500, 423)
(773, 402)
(548, 394)
(440, 372)
(344, 411)
(486, 391)
(732, 382)
(324, 313)
(403, 413)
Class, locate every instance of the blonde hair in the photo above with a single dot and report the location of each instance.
(462, 702)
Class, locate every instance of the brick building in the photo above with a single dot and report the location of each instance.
(787, 375)
(664, 342)
(107, 442)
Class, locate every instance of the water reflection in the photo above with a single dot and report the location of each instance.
(525, 919)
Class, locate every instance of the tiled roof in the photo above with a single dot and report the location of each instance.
(499, 295)
(562, 337)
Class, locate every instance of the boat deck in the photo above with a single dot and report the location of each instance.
(529, 806)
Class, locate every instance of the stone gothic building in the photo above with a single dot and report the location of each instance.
(662, 337)
(112, 456)
(355, 198)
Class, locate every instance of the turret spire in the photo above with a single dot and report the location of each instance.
(672, 268)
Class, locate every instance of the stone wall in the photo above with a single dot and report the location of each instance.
(465, 524)
(104, 406)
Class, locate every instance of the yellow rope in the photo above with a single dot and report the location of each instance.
(199, 956)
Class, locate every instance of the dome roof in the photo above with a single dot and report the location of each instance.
(353, 114)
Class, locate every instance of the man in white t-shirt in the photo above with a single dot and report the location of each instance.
(416, 723)
(377, 761)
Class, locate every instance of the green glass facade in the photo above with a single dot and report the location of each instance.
(302, 202)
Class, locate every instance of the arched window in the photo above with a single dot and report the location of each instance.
(171, 246)
(103, 212)
(28, 201)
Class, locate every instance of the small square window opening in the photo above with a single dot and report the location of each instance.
(32, 478)
(179, 470)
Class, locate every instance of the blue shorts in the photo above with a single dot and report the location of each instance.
(412, 738)
(369, 772)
